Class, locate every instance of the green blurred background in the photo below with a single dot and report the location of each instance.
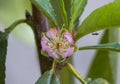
(12, 10)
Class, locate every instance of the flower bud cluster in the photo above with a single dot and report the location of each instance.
(57, 44)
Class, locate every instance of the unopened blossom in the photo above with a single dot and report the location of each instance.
(57, 44)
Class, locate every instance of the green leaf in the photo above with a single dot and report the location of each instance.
(106, 47)
(101, 66)
(65, 76)
(3, 52)
(48, 77)
(60, 12)
(99, 81)
(68, 4)
(46, 8)
(114, 37)
(106, 17)
(44, 53)
(77, 9)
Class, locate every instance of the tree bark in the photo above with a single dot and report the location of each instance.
(40, 24)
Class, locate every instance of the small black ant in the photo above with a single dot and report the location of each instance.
(95, 33)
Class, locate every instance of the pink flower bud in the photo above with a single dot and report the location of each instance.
(57, 44)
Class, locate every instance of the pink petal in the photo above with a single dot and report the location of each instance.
(69, 52)
(44, 40)
(69, 37)
(52, 33)
(46, 48)
(51, 54)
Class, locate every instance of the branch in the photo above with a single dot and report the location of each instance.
(40, 24)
